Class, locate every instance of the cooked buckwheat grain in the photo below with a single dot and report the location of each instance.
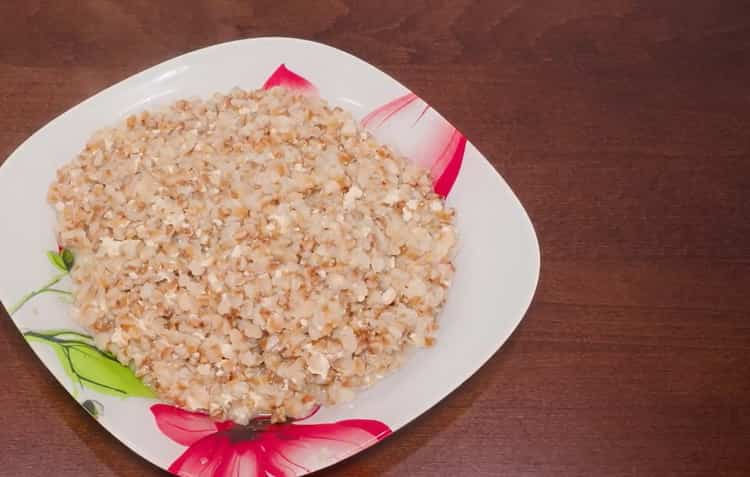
(256, 252)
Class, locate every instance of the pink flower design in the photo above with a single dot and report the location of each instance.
(226, 449)
(408, 123)
(422, 135)
(289, 79)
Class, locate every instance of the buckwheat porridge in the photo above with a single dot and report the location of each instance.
(255, 252)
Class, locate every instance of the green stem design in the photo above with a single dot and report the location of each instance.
(47, 287)
(62, 292)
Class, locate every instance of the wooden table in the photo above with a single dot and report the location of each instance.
(624, 128)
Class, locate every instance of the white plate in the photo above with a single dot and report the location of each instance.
(497, 264)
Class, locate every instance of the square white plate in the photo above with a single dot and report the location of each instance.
(497, 265)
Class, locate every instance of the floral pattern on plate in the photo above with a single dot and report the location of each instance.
(226, 449)
(432, 142)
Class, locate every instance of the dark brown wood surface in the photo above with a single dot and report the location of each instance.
(624, 128)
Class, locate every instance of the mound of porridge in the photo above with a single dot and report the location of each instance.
(253, 253)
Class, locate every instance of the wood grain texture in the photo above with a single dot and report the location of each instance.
(624, 128)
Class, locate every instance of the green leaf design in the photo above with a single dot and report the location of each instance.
(57, 261)
(89, 367)
(67, 258)
(102, 373)
(63, 358)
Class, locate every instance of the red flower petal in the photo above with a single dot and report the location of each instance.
(245, 459)
(289, 79)
(218, 456)
(206, 458)
(422, 135)
(378, 116)
(280, 450)
(185, 427)
(449, 163)
(305, 448)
